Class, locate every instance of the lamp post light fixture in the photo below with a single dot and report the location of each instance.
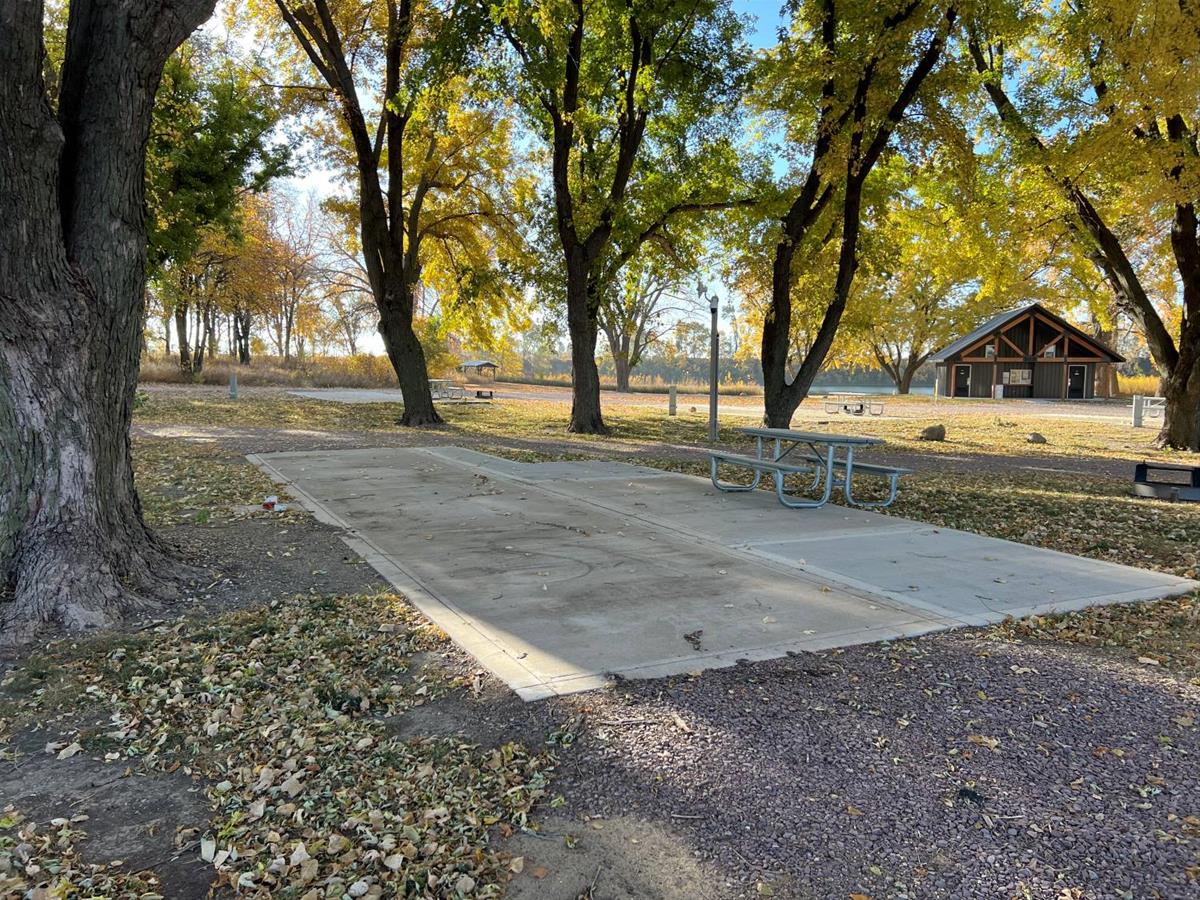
(714, 351)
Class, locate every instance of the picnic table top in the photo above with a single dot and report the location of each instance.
(813, 437)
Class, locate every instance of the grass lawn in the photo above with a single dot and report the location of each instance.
(283, 714)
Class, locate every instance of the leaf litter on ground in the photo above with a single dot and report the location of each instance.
(282, 713)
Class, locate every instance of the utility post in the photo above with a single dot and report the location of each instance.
(714, 353)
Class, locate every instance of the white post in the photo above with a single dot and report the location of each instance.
(233, 384)
(1139, 410)
(671, 400)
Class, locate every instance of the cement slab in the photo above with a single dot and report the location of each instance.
(556, 576)
(352, 395)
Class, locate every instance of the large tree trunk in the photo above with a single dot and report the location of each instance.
(1181, 384)
(73, 547)
(583, 327)
(912, 366)
(621, 364)
(783, 397)
(407, 356)
(1181, 390)
(241, 336)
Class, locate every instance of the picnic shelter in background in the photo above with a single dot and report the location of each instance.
(479, 370)
(1028, 352)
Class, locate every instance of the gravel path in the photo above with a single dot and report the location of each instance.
(954, 766)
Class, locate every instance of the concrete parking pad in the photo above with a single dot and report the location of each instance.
(352, 395)
(557, 576)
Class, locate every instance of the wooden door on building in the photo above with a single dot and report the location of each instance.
(962, 381)
(1076, 378)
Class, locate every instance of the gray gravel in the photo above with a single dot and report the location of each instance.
(855, 771)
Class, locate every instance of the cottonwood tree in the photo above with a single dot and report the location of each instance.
(839, 84)
(211, 145)
(392, 69)
(291, 265)
(635, 101)
(344, 281)
(635, 310)
(1100, 101)
(73, 545)
(946, 251)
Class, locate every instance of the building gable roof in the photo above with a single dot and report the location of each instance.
(998, 323)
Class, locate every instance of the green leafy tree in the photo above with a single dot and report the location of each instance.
(838, 86)
(430, 157)
(635, 102)
(211, 142)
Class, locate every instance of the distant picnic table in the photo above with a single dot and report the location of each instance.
(827, 458)
(854, 404)
(450, 389)
(446, 389)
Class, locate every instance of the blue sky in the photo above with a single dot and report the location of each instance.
(767, 19)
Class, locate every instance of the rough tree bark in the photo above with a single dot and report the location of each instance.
(74, 549)
(623, 369)
(390, 230)
(782, 395)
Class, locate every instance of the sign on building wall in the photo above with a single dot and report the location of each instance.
(1018, 376)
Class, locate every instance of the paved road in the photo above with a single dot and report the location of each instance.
(913, 406)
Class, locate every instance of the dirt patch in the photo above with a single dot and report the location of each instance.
(257, 560)
(489, 716)
(620, 858)
(132, 816)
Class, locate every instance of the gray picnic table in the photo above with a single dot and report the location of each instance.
(827, 458)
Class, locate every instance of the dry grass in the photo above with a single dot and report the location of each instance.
(984, 428)
(361, 371)
(1147, 385)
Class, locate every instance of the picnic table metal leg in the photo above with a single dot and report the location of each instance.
(848, 480)
(730, 487)
(808, 504)
(848, 490)
(893, 488)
